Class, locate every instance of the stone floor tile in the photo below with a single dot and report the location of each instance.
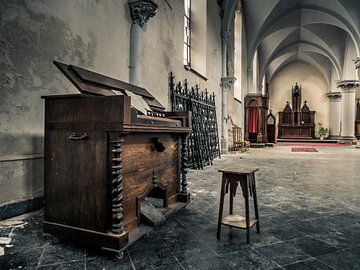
(76, 265)
(60, 253)
(311, 264)
(306, 209)
(312, 246)
(20, 259)
(96, 260)
(248, 259)
(344, 259)
(282, 253)
(204, 261)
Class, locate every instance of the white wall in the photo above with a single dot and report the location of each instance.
(90, 34)
(314, 89)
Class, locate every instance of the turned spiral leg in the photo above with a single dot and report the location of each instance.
(184, 165)
(116, 189)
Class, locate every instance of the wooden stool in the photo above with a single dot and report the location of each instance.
(231, 178)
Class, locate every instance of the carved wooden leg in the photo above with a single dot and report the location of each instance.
(116, 192)
(232, 192)
(221, 206)
(244, 183)
(255, 203)
(184, 161)
(184, 195)
(247, 211)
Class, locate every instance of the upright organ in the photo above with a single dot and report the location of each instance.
(107, 150)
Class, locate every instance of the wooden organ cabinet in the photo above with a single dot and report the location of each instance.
(296, 122)
(104, 159)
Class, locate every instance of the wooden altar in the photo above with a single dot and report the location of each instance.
(296, 122)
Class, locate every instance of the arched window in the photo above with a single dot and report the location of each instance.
(187, 33)
(195, 20)
(238, 25)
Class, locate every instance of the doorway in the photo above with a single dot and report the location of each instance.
(271, 128)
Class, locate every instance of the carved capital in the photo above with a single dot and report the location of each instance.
(142, 10)
(226, 82)
(334, 96)
(357, 62)
(348, 85)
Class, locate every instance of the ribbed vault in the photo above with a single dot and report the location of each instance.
(315, 32)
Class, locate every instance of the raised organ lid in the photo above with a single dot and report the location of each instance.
(92, 83)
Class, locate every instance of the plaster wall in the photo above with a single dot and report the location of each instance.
(90, 34)
(314, 89)
(237, 63)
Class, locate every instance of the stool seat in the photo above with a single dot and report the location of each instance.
(231, 178)
(239, 170)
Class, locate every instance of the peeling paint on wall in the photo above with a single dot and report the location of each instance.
(29, 44)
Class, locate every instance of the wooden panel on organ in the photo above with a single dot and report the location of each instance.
(104, 158)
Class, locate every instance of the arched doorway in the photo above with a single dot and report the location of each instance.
(270, 120)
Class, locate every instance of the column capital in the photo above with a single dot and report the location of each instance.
(142, 10)
(357, 62)
(227, 81)
(348, 85)
(334, 96)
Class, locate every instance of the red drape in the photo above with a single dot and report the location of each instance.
(253, 120)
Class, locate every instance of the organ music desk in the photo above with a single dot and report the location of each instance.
(106, 159)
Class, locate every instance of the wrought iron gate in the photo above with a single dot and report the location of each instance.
(203, 142)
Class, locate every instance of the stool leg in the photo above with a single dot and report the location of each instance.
(231, 199)
(247, 214)
(255, 205)
(222, 194)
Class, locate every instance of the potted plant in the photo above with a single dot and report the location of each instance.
(322, 131)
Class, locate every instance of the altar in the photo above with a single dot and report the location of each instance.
(296, 121)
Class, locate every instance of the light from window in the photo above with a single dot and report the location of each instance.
(187, 32)
(238, 55)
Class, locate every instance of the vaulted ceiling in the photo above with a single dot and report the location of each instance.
(314, 31)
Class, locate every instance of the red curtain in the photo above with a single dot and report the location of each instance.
(253, 120)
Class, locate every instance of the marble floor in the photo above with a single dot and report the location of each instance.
(309, 207)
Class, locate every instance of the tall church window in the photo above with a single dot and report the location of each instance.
(195, 37)
(237, 54)
(187, 33)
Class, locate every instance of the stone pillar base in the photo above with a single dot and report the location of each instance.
(347, 139)
(259, 138)
(358, 144)
(224, 148)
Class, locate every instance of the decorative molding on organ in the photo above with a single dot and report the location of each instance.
(142, 10)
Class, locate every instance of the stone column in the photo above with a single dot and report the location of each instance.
(335, 115)
(141, 11)
(226, 83)
(348, 109)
